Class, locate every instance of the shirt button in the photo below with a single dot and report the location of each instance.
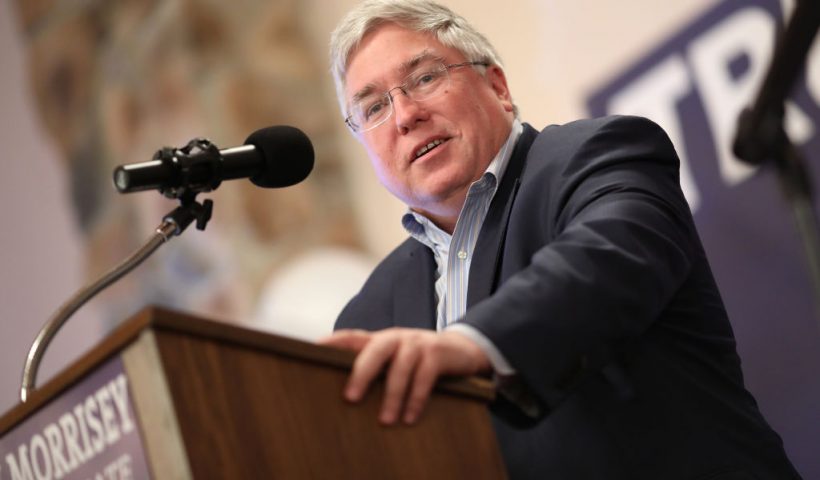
(462, 254)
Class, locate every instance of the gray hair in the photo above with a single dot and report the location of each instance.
(450, 29)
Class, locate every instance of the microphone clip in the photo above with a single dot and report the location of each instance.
(197, 167)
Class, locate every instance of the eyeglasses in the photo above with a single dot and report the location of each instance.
(426, 82)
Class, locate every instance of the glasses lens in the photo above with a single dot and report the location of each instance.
(370, 111)
(427, 81)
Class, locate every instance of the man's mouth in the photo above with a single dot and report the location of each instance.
(430, 146)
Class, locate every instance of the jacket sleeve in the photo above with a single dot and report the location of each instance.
(616, 243)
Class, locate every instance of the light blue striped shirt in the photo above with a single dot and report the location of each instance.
(452, 272)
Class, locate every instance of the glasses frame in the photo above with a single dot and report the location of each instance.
(403, 87)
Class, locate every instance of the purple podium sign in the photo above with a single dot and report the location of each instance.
(89, 432)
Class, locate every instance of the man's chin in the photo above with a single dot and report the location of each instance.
(439, 204)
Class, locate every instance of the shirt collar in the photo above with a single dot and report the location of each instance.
(499, 164)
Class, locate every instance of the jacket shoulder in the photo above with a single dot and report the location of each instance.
(565, 141)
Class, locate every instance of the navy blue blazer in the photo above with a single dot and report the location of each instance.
(590, 278)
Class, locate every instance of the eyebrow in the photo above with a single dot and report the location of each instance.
(405, 67)
(411, 64)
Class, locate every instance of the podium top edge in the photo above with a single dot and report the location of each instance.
(166, 319)
(161, 319)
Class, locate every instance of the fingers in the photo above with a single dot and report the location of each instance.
(375, 350)
(348, 339)
(427, 372)
(450, 354)
(398, 379)
(414, 360)
(369, 363)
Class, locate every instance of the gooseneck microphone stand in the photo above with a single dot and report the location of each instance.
(173, 224)
(761, 137)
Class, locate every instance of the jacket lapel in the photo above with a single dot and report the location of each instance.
(414, 293)
(489, 246)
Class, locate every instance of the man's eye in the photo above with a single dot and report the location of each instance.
(426, 78)
(373, 110)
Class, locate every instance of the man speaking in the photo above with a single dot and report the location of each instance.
(564, 262)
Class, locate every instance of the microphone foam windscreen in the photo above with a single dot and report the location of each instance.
(288, 156)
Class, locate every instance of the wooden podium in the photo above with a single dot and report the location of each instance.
(168, 395)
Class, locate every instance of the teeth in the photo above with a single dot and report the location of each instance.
(421, 151)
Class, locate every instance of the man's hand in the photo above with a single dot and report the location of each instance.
(414, 359)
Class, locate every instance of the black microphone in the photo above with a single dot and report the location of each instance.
(272, 157)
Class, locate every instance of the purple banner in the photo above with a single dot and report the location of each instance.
(89, 432)
(695, 84)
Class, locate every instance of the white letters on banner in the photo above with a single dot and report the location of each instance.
(88, 432)
(724, 66)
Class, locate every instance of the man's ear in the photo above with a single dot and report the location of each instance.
(498, 82)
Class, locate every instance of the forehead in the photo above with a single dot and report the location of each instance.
(386, 54)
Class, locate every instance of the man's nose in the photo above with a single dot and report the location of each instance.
(407, 112)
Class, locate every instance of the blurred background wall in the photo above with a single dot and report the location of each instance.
(87, 85)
